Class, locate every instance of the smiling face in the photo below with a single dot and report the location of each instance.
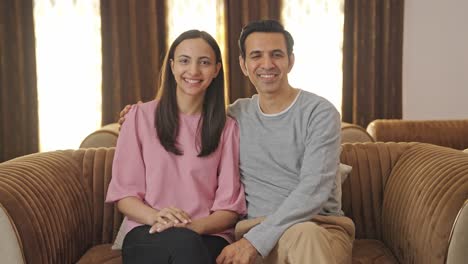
(266, 62)
(194, 67)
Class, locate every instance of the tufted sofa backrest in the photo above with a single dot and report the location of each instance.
(448, 133)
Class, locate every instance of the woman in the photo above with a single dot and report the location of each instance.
(175, 172)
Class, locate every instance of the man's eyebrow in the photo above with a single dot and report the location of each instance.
(255, 52)
(277, 50)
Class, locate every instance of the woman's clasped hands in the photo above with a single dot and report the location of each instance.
(169, 217)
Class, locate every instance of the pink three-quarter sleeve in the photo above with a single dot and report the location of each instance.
(128, 168)
(230, 192)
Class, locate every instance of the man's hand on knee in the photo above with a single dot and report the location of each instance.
(240, 252)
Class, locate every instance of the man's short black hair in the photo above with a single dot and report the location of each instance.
(264, 26)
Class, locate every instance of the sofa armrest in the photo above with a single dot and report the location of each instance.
(10, 248)
(458, 242)
(424, 193)
(48, 206)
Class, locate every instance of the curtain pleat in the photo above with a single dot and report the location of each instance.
(372, 60)
(133, 47)
(19, 132)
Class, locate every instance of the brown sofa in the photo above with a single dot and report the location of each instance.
(448, 133)
(106, 136)
(351, 133)
(403, 197)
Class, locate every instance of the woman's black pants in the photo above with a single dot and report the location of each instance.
(172, 246)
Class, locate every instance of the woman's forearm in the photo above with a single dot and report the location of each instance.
(214, 223)
(138, 211)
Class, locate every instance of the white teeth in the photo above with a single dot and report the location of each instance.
(192, 81)
(267, 75)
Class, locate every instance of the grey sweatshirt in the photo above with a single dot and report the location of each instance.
(288, 163)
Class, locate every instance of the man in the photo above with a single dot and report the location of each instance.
(289, 157)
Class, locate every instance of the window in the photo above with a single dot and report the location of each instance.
(206, 15)
(184, 15)
(68, 71)
(317, 29)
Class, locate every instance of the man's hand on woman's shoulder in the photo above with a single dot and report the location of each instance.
(124, 112)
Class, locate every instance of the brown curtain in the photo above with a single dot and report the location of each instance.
(18, 95)
(372, 60)
(237, 14)
(133, 48)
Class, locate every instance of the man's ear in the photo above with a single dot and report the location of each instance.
(291, 62)
(242, 66)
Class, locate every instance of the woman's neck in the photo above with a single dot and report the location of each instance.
(190, 105)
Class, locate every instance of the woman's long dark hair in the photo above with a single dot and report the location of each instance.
(213, 117)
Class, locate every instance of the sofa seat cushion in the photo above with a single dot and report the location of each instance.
(369, 251)
(102, 254)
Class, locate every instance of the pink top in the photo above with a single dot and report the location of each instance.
(198, 185)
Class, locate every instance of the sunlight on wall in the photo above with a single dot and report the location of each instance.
(68, 55)
(317, 29)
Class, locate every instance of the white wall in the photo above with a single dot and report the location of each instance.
(435, 59)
